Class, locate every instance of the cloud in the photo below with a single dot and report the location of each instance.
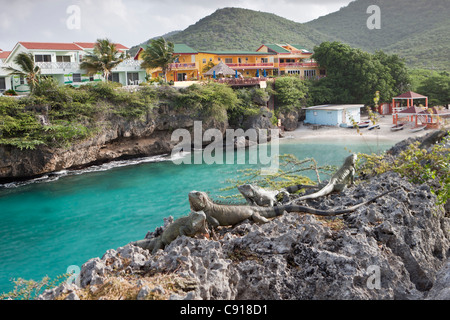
(132, 21)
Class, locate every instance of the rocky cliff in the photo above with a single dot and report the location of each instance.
(398, 247)
(117, 138)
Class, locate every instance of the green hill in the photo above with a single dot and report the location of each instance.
(418, 30)
(243, 29)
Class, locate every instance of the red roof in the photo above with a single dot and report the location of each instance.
(50, 46)
(90, 45)
(410, 95)
(4, 54)
(412, 110)
(435, 110)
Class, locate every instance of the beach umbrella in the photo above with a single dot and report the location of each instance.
(257, 73)
(236, 74)
(264, 73)
(214, 74)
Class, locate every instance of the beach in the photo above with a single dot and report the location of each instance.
(335, 133)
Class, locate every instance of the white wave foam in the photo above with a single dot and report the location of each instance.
(54, 176)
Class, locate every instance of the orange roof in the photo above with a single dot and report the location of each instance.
(410, 95)
(50, 46)
(90, 45)
(4, 54)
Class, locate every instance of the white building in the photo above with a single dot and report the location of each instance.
(62, 61)
(5, 80)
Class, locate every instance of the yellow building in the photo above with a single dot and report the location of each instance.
(268, 60)
(293, 59)
(247, 63)
(185, 67)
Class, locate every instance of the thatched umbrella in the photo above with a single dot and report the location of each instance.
(220, 69)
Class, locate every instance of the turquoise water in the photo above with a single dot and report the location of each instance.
(47, 226)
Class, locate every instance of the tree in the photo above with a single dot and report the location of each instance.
(104, 58)
(437, 88)
(28, 69)
(290, 92)
(353, 76)
(159, 54)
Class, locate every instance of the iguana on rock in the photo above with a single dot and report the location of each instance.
(187, 226)
(255, 195)
(339, 181)
(226, 215)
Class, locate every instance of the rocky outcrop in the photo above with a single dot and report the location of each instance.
(119, 138)
(395, 248)
(289, 120)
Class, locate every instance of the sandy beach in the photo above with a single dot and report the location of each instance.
(384, 133)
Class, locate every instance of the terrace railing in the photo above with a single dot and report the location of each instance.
(249, 65)
(175, 66)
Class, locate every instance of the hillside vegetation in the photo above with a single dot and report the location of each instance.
(243, 29)
(418, 30)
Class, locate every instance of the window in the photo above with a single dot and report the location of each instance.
(264, 60)
(42, 58)
(204, 60)
(310, 73)
(2, 84)
(91, 78)
(293, 72)
(22, 80)
(132, 78)
(228, 60)
(114, 77)
(62, 58)
(239, 60)
(76, 77)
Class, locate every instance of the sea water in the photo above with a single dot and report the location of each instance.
(51, 223)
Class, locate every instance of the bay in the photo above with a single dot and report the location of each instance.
(66, 219)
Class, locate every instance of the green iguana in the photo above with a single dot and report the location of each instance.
(187, 226)
(226, 215)
(255, 195)
(338, 182)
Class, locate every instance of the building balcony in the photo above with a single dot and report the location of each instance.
(298, 64)
(183, 66)
(251, 65)
(58, 66)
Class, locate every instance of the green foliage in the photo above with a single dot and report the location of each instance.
(211, 100)
(290, 173)
(417, 30)
(159, 54)
(417, 165)
(353, 76)
(104, 58)
(290, 92)
(437, 88)
(30, 289)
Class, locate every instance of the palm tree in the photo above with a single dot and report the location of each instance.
(104, 58)
(28, 69)
(159, 54)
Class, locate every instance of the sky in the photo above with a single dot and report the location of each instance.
(130, 22)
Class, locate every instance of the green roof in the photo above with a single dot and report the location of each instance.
(182, 48)
(236, 52)
(276, 48)
(299, 47)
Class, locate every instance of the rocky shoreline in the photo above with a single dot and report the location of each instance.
(397, 247)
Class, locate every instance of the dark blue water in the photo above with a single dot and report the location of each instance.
(49, 225)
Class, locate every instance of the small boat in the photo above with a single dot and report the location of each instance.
(375, 126)
(419, 128)
(363, 124)
(397, 127)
